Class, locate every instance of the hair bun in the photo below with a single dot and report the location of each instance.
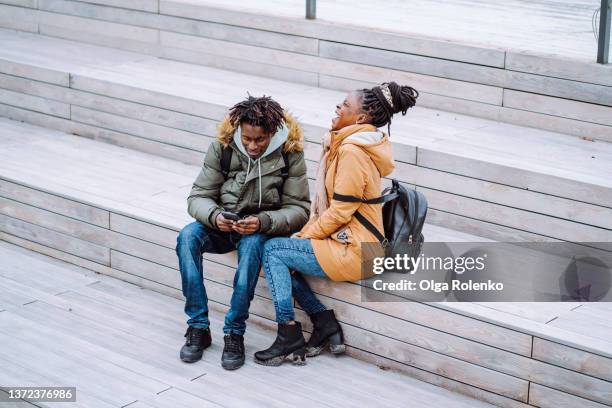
(403, 97)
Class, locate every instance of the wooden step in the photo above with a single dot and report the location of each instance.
(477, 180)
(119, 226)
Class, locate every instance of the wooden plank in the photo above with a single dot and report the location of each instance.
(141, 129)
(98, 32)
(18, 18)
(521, 178)
(17, 69)
(559, 107)
(55, 240)
(588, 72)
(240, 65)
(557, 87)
(40, 199)
(590, 326)
(556, 124)
(482, 229)
(413, 63)
(545, 397)
(144, 5)
(244, 35)
(572, 358)
(147, 97)
(21, 3)
(167, 151)
(143, 230)
(35, 103)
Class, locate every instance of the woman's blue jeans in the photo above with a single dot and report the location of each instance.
(282, 255)
(192, 242)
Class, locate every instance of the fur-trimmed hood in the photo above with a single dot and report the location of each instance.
(295, 137)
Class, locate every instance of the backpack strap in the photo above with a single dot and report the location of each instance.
(284, 172)
(370, 227)
(377, 200)
(285, 169)
(226, 159)
(363, 220)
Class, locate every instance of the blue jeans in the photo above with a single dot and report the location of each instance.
(196, 239)
(281, 255)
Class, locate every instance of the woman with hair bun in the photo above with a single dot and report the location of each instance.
(356, 155)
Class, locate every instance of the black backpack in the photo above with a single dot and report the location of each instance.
(404, 213)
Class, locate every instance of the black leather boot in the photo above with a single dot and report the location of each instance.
(197, 341)
(289, 340)
(233, 352)
(326, 332)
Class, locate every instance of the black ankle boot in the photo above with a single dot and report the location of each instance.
(326, 331)
(289, 340)
(233, 352)
(197, 341)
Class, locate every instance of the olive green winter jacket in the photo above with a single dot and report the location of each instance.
(240, 193)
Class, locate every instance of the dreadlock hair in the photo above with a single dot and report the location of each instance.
(263, 111)
(375, 104)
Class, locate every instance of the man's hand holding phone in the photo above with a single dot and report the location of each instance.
(247, 226)
(228, 221)
(224, 224)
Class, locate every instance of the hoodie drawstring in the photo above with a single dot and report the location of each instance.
(259, 168)
(258, 161)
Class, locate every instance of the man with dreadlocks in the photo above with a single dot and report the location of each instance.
(255, 170)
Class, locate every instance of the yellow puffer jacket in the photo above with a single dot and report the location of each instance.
(359, 157)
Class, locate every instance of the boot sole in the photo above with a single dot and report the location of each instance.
(335, 344)
(335, 349)
(234, 365)
(191, 360)
(298, 359)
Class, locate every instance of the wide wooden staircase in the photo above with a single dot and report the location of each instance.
(109, 108)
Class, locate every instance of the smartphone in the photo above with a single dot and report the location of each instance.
(230, 216)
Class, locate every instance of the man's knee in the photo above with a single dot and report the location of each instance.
(191, 237)
(252, 242)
